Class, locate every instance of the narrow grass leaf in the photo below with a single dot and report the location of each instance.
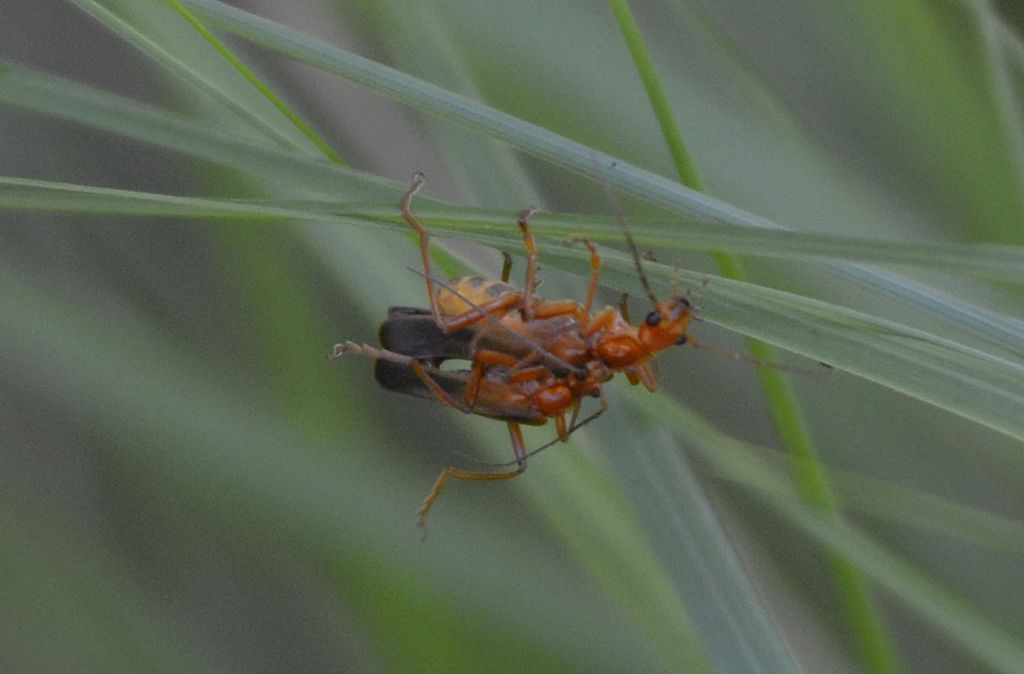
(993, 261)
(956, 618)
(583, 160)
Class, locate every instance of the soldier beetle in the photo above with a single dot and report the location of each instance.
(531, 359)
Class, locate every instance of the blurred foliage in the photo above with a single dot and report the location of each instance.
(189, 485)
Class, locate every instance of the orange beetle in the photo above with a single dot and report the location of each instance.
(530, 359)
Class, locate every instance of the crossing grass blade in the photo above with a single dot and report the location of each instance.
(209, 444)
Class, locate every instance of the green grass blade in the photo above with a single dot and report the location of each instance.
(740, 634)
(955, 617)
(105, 111)
(631, 35)
(581, 159)
(876, 650)
(898, 504)
(117, 115)
(183, 70)
(485, 171)
(970, 383)
(322, 494)
(318, 142)
(993, 261)
(208, 487)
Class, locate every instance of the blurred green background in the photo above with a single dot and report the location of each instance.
(188, 485)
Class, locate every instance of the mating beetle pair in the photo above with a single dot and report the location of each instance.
(531, 359)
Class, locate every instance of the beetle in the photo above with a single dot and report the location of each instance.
(413, 348)
(530, 359)
(554, 334)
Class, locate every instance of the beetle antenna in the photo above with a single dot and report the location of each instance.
(620, 215)
(824, 369)
(532, 452)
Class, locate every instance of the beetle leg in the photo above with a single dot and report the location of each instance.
(561, 428)
(415, 365)
(406, 205)
(527, 360)
(517, 446)
(647, 377)
(481, 359)
(602, 321)
(624, 307)
(552, 308)
(506, 267)
(575, 416)
(476, 314)
(531, 262)
(595, 274)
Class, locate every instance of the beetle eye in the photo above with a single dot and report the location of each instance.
(681, 340)
(653, 318)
